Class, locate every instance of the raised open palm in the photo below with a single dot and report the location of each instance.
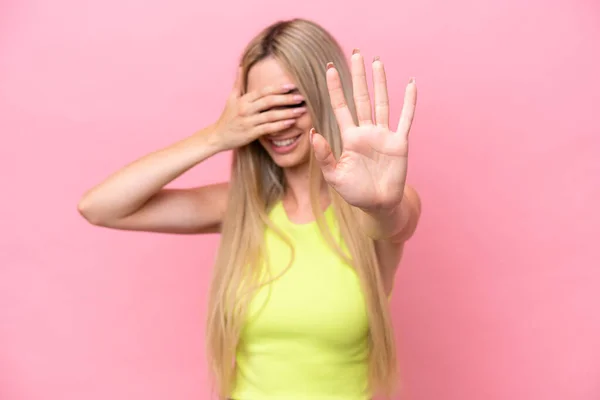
(371, 171)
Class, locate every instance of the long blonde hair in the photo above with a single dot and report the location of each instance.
(257, 183)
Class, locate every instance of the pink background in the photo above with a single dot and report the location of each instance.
(499, 293)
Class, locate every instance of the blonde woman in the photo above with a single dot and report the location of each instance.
(313, 221)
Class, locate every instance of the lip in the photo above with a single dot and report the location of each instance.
(278, 138)
(284, 149)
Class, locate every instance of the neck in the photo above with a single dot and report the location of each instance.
(297, 193)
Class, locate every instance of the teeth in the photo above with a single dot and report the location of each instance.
(282, 143)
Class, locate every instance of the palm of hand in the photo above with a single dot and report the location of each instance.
(371, 171)
(369, 174)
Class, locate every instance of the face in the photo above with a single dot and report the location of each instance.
(289, 148)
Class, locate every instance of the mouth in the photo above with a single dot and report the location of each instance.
(284, 142)
(284, 145)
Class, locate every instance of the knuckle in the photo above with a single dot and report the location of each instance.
(256, 105)
(243, 110)
(275, 115)
(363, 97)
(296, 111)
(336, 105)
(260, 130)
(267, 128)
(262, 118)
(267, 102)
(288, 114)
(282, 100)
(285, 99)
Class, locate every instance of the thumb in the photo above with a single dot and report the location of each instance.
(324, 156)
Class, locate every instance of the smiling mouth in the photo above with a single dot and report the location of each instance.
(285, 142)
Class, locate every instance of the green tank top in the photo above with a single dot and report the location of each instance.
(305, 336)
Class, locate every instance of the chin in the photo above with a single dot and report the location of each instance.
(290, 162)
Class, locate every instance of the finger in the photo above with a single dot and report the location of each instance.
(384, 142)
(269, 90)
(382, 107)
(362, 100)
(276, 115)
(338, 101)
(272, 127)
(408, 108)
(324, 156)
(273, 101)
(237, 85)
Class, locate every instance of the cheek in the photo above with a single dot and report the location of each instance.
(305, 122)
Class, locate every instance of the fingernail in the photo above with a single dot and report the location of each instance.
(299, 110)
(329, 65)
(355, 51)
(289, 121)
(310, 134)
(289, 86)
(412, 80)
(298, 97)
(376, 58)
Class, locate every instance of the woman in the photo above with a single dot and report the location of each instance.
(313, 221)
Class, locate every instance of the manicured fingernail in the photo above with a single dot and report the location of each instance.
(289, 86)
(299, 110)
(355, 51)
(289, 121)
(329, 65)
(376, 58)
(298, 97)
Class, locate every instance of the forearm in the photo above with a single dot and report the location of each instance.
(385, 224)
(395, 224)
(128, 189)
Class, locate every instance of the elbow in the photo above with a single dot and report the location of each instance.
(86, 210)
(414, 212)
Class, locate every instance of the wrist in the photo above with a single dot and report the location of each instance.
(209, 138)
(382, 213)
(384, 223)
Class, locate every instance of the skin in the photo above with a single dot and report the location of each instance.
(296, 201)
(370, 174)
(372, 169)
(266, 73)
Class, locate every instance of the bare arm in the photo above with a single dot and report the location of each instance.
(134, 197)
(391, 229)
